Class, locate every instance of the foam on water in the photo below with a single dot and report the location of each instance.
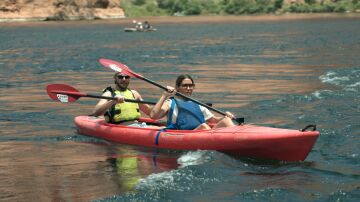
(193, 158)
(166, 179)
(353, 87)
(347, 79)
(157, 181)
(333, 78)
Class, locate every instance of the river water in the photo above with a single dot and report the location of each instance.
(279, 73)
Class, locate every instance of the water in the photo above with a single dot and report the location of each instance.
(277, 73)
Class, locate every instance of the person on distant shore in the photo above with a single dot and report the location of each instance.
(118, 111)
(184, 114)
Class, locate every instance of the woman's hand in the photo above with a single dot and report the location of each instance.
(170, 92)
(229, 114)
(160, 109)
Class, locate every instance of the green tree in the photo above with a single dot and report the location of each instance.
(310, 1)
(237, 7)
(139, 2)
(278, 4)
(186, 7)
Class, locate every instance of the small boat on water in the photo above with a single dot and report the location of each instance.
(244, 140)
(139, 30)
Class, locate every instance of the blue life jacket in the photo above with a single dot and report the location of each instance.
(189, 115)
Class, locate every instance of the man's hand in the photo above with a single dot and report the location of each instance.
(119, 99)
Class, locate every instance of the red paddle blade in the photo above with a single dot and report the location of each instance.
(119, 67)
(63, 93)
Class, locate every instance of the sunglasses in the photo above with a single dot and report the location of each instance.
(187, 86)
(121, 77)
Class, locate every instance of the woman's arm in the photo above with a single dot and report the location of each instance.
(162, 107)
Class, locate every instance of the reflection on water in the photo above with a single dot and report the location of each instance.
(280, 73)
(68, 170)
(132, 169)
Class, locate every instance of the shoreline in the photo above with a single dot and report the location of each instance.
(236, 18)
(189, 19)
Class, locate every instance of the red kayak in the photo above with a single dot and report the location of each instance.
(243, 140)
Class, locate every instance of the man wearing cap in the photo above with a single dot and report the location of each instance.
(118, 111)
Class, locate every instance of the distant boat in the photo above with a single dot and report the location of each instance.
(139, 30)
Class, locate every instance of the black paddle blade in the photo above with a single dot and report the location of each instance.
(240, 120)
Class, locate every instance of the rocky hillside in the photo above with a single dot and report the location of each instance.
(23, 10)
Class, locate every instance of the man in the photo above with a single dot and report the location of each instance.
(118, 111)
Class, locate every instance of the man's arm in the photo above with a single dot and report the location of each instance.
(104, 104)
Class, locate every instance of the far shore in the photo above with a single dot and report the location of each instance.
(232, 18)
(192, 19)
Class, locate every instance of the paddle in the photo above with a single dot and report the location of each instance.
(119, 67)
(66, 93)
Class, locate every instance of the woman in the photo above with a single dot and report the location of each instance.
(184, 114)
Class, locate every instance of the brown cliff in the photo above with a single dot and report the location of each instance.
(26, 10)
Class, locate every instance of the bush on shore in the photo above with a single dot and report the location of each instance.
(136, 8)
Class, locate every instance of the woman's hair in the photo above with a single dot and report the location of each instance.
(180, 79)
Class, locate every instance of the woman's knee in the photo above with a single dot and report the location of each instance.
(203, 126)
(225, 122)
